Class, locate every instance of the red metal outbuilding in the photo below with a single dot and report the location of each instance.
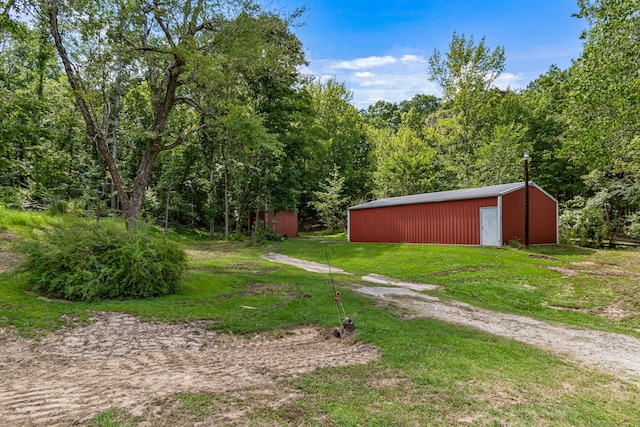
(487, 216)
(285, 222)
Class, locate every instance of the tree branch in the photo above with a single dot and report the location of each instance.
(181, 138)
(162, 25)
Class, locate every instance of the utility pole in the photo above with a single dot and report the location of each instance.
(526, 200)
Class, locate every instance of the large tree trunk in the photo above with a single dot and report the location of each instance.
(139, 188)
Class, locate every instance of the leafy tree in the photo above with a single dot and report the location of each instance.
(466, 74)
(177, 48)
(612, 211)
(424, 105)
(341, 141)
(245, 147)
(286, 114)
(383, 114)
(499, 159)
(603, 107)
(42, 148)
(467, 71)
(405, 162)
(330, 202)
(602, 110)
(543, 106)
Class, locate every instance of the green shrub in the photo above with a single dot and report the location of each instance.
(11, 197)
(103, 261)
(58, 207)
(261, 235)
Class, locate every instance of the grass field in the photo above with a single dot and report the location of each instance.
(429, 372)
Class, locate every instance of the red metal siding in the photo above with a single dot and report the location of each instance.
(542, 217)
(513, 217)
(455, 222)
(285, 222)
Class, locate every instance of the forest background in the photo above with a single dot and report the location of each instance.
(194, 114)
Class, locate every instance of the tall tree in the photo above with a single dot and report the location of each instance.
(42, 152)
(176, 47)
(330, 201)
(543, 106)
(602, 114)
(341, 139)
(382, 114)
(603, 107)
(466, 74)
(405, 163)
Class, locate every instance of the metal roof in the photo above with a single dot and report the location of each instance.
(445, 196)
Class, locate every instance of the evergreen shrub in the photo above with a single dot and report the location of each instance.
(103, 261)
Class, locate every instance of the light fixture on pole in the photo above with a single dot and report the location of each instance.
(526, 200)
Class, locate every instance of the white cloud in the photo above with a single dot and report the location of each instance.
(391, 78)
(364, 63)
(510, 81)
(378, 82)
(413, 58)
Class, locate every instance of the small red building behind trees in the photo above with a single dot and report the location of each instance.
(283, 223)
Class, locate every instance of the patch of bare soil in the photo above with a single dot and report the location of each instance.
(626, 269)
(613, 352)
(616, 311)
(565, 271)
(8, 261)
(286, 291)
(117, 361)
(203, 255)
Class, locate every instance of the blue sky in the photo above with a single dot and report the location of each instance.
(379, 49)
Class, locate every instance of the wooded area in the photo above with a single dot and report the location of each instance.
(194, 114)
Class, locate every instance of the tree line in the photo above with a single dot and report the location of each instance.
(192, 113)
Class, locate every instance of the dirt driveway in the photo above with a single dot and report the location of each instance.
(613, 352)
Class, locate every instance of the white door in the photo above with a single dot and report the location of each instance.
(489, 227)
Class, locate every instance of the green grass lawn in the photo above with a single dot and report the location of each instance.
(430, 372)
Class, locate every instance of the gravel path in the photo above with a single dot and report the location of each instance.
(605, 350)
(610, 351)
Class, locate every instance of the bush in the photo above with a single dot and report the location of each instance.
(261, 235)
(103, 261)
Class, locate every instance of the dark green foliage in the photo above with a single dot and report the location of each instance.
(261, 234)
(611, 212)
(102, 261)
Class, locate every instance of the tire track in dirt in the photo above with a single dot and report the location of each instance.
(118, 361)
